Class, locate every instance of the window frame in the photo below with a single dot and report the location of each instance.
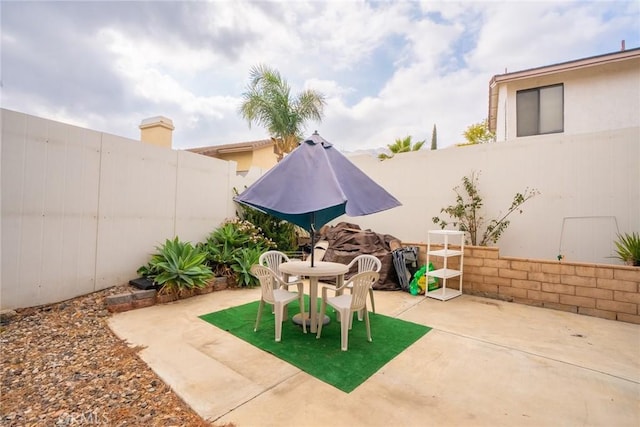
(538, 106)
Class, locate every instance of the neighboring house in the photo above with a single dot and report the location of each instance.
(258, 154)
(596, 94)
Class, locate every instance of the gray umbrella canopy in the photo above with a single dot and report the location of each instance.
(314, 184)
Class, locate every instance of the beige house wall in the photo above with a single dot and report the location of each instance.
(596, 99)
(264, 158)
(261, 158)
(243, 159)
(256, 154)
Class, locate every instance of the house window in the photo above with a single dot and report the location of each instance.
(540, 110)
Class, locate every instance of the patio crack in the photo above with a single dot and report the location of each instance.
(413, 305)
(531, 353)
(260, 393)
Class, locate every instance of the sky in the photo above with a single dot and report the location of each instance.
(388, 69)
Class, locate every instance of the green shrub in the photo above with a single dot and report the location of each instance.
(226, 246)
(466, 214)
(244, 259)
(177, 267)
(282, 233)
(628, 248)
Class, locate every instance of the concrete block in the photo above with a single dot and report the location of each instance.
(617, 306)
(630, 318)
(118, 299)
(119, 308)
(146, 294)
(146, 302)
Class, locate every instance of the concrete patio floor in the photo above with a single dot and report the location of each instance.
(485, 363)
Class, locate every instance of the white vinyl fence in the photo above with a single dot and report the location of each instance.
(82, 210)
(589, 191)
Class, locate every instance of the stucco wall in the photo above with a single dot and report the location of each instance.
(264, 157)
(596, 99)
(243, 159)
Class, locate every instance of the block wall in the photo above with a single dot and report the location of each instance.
(601, 290)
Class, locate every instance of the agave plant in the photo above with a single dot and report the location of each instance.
(628, 248)
(177, 267)
(225, 246)
(245, 258)
(223, 243)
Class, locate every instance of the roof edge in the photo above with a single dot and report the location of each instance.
(575, 64)
(214, 150)
(567, 65)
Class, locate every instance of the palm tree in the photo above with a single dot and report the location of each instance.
(401, 146)
(268, 102)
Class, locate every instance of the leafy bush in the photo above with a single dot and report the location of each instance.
(226, 248)
(282, 233)
(244, 259)
(466, 212)
(628, 248)
(177, 267)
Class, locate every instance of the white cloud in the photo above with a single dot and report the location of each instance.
(343, 33)
(388, 69)
(329, 88)
(170, 54)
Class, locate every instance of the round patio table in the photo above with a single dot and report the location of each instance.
(319, 269)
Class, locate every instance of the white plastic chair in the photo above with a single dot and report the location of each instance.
(273, 259)
(320, 249)
(274, 292)
(366, 263)
(347, 304)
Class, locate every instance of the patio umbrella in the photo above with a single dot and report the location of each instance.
(314, 184)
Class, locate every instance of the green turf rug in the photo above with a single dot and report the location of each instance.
(322, 357)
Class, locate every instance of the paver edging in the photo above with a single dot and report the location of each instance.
(146, 298)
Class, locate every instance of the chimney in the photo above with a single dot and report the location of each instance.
(622, 45)
(157, 131)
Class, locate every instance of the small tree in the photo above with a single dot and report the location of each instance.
(434, 138)
(479, 133)
(466, 214)
(401, 146)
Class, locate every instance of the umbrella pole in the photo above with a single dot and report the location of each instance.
(312, 245)
(313, 236)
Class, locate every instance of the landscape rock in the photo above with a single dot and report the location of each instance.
(62, 365)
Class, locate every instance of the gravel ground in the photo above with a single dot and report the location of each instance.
(62, 365)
